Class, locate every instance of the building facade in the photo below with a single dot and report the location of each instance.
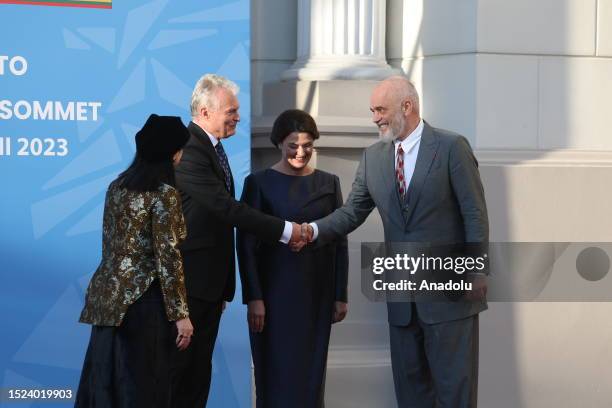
(527, 82)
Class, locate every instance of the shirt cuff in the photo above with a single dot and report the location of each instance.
(315, 231)
(286, 233)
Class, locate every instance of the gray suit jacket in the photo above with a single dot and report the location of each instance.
(445, 204)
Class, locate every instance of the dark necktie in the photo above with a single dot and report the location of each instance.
(399, 172)
(224, 165)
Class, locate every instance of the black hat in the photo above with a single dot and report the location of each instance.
(161, 137)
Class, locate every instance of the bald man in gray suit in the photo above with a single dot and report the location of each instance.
(426, 186)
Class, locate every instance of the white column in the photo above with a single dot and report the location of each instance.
(340, 39)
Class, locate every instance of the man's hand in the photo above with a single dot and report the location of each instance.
(307, 232)
(256, 315)
(340, 311)
(300, 236)
(479, 289)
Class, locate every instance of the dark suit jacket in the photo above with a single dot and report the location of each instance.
(445, 204)
(211, 213)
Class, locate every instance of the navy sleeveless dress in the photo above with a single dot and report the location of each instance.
(298, 289)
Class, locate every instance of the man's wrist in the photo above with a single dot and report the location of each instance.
(315, 231)
(287, 231)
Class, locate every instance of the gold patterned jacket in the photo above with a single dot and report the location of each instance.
(141, 231)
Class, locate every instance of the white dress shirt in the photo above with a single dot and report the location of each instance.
(213, 139)
(410, 145)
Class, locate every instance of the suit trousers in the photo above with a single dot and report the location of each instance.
(435, 365)
(192, 368)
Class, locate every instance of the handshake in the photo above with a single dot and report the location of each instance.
(301, 236)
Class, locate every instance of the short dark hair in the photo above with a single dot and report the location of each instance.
(292, 120)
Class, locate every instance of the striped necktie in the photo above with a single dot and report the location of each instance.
(399, 172)
(224, 165)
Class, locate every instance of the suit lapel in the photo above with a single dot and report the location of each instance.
(425, 157)
(387, 169)
(204, 142)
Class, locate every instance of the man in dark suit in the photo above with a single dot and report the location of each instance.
(426, 186)
(206, 184)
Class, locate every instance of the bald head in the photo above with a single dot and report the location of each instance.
(401, 89)
(395, 107)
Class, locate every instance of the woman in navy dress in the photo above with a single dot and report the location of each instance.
(293, 297)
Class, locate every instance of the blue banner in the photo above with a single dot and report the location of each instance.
(76, 83)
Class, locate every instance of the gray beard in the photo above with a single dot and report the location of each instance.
(387, 137)
(392, 134)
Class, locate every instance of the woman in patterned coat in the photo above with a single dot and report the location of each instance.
(136, 299)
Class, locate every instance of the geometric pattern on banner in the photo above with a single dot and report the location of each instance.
(87, 129)
(102, 37)
(117, 51)
(89, 223)
(232, 12)
(50, 212)
(231, 68)
(129, 132)
(132, 91)
(137, 25)
(74, 42)
(82, 164)
(167, 38)
(59, 353)
(170, 87)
